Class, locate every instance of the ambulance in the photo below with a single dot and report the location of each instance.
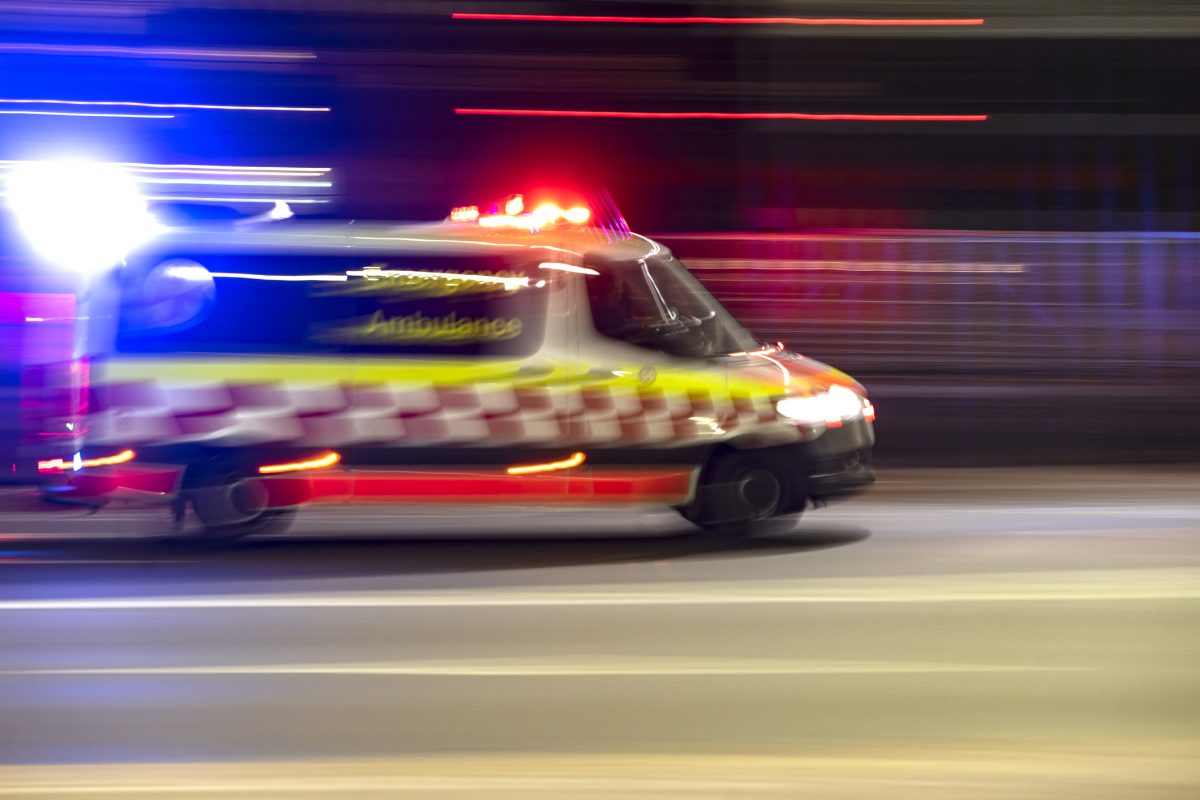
(525, 353)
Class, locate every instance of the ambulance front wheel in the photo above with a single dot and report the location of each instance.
(736, 490)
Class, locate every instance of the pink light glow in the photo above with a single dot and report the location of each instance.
(546, 112)
(831, 22)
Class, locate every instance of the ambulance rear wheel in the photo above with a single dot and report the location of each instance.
(735, 491)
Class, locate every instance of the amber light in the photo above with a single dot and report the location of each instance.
(574, 461)
(58, 463)
(577, 215)
(327, 460)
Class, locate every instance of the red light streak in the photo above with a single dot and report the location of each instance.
(831, 22)
(547, 112)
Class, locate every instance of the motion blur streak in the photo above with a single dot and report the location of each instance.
(85, 114)
(547, 112)
(203, 169)
(792, 265)
(135, 104)
(183, 198)
(235, 182)
(189, 53)
(847, 21)
(250, 276)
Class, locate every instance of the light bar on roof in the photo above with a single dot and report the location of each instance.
(512, 213)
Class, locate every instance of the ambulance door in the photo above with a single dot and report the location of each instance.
(460, 355)
(661, 388)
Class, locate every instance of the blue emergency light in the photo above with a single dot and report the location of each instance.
(79, 215)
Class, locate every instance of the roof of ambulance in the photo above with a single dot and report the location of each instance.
(314, 237)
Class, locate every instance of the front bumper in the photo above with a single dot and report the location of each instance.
(841, 476)
(838, 463)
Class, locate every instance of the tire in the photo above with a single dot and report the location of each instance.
(231, 503)
(735, 491)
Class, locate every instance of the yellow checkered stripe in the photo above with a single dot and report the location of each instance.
(339, 404)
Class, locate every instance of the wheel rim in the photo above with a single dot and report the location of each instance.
(760, 491)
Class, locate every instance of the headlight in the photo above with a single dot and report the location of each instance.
(829, 408)
(844, 403)
(809, 410)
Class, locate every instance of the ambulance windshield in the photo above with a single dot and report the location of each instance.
(656, 303)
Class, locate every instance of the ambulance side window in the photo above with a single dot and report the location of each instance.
(622, 309)
(324, 305)
(627, 305)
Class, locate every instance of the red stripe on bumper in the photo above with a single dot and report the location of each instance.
(669, 485)
(410, 486)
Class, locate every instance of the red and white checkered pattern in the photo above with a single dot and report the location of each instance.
(392, 414)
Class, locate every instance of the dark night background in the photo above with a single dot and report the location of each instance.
(1081, 183)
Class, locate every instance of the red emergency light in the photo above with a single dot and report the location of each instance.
(512, 214)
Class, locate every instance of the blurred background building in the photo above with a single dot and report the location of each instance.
(999, 241)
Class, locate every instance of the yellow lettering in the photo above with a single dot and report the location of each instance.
(451, 328)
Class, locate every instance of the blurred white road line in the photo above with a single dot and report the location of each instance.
(898, 773)
(943, 505)
(1097, 585)
(579, 667)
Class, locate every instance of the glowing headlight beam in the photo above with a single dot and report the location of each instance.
(831, 408)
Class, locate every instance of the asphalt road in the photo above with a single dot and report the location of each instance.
(953, 634)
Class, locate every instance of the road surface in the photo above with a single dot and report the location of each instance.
(952, 634)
